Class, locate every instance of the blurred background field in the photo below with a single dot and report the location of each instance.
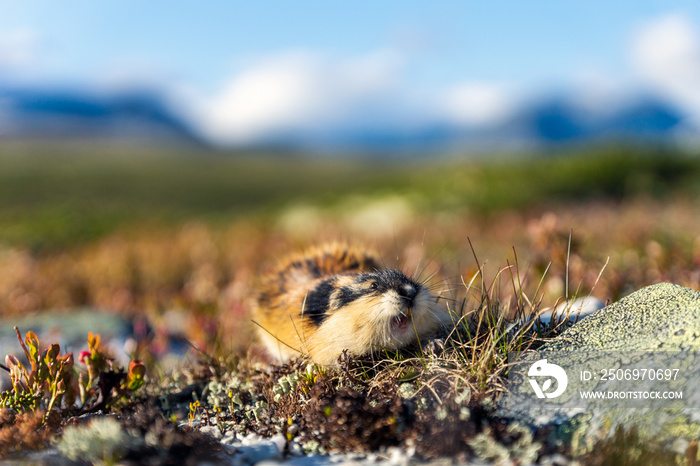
(65, 194)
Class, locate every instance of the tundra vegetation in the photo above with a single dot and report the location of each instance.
(182, 236)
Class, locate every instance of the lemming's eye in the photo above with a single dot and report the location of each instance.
(373, 286)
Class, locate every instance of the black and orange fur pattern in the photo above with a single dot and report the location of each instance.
(337, 298)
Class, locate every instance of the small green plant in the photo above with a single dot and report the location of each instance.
(95, 363)
(48, 383)
(99, 367)
(194, 410)
(51, 381)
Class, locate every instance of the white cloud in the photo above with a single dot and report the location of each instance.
(475, 104)
(18, 48)
(666, 54)
(311, 94)
(296, 91)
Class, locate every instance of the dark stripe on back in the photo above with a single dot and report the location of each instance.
(313, 268)
(317, 302)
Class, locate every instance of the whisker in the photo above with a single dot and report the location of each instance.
(457, 278)
(437, 283)
(440, 321)
(431, 276)
(447, 290)
(439, 251)
(443, 266)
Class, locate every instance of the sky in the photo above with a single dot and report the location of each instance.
(243, 70)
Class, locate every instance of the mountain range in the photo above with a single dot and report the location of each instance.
(145, 116)
(134, 116)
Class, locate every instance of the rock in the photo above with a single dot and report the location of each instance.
(554, 460)
(280, 442)
(574, 311)
(49, 457)
(229, 438)
(255, 451)
(69, 328)
(213, 431)
(662, 316)
(656, 327)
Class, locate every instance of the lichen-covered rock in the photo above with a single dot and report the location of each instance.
(658, 318)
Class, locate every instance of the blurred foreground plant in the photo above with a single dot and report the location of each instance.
(52, 381)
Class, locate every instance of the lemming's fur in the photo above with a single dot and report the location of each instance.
(337, 298)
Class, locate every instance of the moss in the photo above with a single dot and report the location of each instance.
(102, 441)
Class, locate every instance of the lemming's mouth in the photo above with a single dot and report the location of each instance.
(400, 323)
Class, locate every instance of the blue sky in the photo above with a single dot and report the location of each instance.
(323, 61)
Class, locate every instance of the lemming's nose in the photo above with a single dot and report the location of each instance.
(408, 291)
